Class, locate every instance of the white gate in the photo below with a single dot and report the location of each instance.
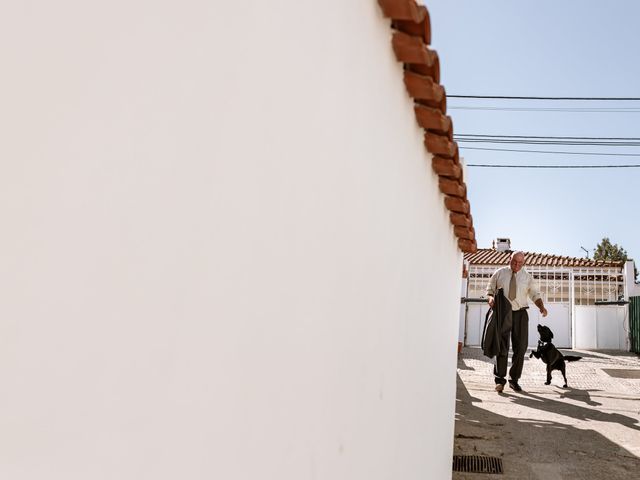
(555, 287)
(558, 320)
(601, 327)
(567, 293)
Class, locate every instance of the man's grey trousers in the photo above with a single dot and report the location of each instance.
(519, 341)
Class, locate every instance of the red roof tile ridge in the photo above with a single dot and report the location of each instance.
(493, 257)
(412, 35)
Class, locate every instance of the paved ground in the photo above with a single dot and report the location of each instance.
(590, 430)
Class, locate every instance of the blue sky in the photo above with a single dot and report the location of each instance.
(545, 48)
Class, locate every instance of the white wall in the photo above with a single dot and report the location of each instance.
(558, 319)
(463, 310)
(475, 318)
(224, 254)
(632, 289)
(601, 327)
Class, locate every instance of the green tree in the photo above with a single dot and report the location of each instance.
(606, 250)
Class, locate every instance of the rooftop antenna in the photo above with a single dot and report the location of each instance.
(586, 251)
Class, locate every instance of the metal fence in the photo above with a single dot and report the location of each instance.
(634, 323)
(582, 286)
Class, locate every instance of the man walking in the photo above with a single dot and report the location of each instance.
(517, 284)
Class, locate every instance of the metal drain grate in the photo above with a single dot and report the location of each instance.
(477, 464)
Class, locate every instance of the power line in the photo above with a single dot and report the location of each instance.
(550, 109)
(549, 136)
(551, 166)
(553, 152)
(549, 142)
(507, 97)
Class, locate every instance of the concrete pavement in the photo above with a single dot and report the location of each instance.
(590, 430)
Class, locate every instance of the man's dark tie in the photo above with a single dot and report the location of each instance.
(512, 286)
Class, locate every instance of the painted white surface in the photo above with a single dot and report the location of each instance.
(219, 226)
(585, 331)
(601, 327)
(463, 312)
(558, 319)
(632, 289)
(476, 313)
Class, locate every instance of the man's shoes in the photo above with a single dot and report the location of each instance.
(514, 385)
(499, 387)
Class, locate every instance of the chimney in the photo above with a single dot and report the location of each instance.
(503, 244)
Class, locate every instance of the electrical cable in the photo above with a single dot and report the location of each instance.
(549, 109)
(507, 97)
(553, 152)
(486, 165)
(550, 136)
(548, 142)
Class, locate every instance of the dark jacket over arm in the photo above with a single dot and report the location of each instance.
(497, 322)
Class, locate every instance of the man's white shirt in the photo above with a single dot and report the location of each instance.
(526, 286)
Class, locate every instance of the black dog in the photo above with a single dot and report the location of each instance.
(549, 354)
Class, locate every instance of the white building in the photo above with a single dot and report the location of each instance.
(219, 221)
(586, 299)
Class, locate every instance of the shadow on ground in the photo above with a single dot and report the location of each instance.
(535, 448)
(571, 410)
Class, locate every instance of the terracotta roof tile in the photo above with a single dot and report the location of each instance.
(403, 10)
(446, 167)
(456, 204)
(455, 188)
(432, 71)
(433, 119)
(410, 49)
(416, 29)
(489, 256)
(410, 40)
(424, 88)
(459, 219)
(465, 233)
(467, 245)
(440, 145)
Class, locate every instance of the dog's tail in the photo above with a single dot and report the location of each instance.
(571, 358)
